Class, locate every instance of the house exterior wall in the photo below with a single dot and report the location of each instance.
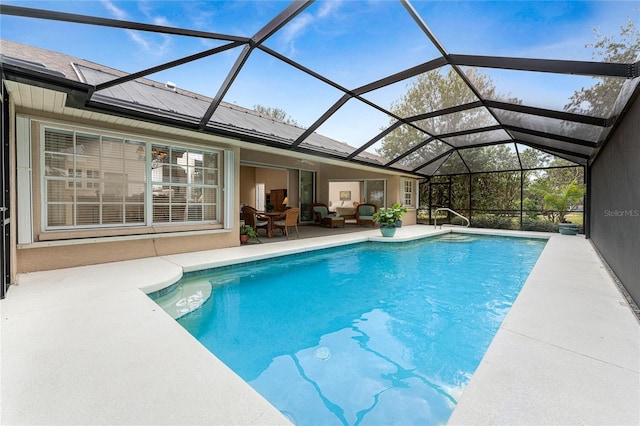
(294, 185)
(615, 201)
(67, 248)
(54, 249)
(247, 185)
(78, 253)
(272, 178)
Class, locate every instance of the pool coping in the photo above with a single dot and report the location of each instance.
(86, 345)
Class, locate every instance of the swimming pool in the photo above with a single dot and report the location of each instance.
(369, 333)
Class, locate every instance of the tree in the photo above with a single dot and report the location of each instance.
(275, 113)
(598, 99)
(532, 158)
(554, 191)
(433, 91)
(558, 199)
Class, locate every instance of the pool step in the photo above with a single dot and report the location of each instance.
(186, 298)
(455, 238)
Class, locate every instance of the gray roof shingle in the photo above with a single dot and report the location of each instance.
(153, 97)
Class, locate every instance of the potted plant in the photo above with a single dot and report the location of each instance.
(389, 219)
(247, 232)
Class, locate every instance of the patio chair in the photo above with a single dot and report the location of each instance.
(254, 219)
(364, 214)
(322, 216)
(287, 220)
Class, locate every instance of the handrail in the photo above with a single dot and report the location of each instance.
(435, 219)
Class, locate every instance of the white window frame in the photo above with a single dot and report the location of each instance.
(86, 180)
(408, 191)
(156, 181)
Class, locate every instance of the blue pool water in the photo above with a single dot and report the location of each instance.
(373, 333)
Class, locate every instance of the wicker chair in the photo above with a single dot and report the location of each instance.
(364, 214)
(254, 219)
(287, 220)
(322, 216)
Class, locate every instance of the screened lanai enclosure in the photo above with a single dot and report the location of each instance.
(530, 199)
(434, 102)
(427, 103)
(493, 130)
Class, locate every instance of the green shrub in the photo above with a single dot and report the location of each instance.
(541, 225)
(423, 214)
(458, 221)
(492, 221)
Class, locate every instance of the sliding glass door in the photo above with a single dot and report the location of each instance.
(307, 184)
(375, 192)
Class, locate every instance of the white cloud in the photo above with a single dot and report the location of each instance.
(328, 7)
(568, 49)
(145, 43)
(167, 41)
(297, 27)
(118, 13)
(161, 20)
(139, 40)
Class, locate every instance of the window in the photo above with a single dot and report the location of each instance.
(83, 178)
(185, 184)
(408, 192)
(92, 180)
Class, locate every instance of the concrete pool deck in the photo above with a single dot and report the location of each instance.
(86, 346)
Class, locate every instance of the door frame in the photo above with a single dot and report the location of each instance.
(5, 199)
(261, 195)
(303, 200)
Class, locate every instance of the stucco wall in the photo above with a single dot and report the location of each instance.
(61, 249)
(100, 246)
(93, 252)
(247, 185)
(615, 201)
(272, 178)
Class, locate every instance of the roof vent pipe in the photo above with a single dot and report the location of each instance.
(171, 85)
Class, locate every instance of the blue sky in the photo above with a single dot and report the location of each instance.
(352, 42)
